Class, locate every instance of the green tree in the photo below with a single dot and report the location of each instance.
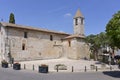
(113, 30)
(94, 45)
(11, 18)
(104, 40)
(97, 42)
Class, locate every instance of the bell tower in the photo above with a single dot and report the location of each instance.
(78, 23)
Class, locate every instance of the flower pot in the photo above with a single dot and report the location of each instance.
(16, 66)
(5, 65)
(43, 69)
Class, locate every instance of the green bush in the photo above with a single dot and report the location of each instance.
(119, 62)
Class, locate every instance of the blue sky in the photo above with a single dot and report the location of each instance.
(58, 14)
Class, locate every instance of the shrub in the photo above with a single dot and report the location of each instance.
(44, 65)
(4, 61)
(4, 64)
(119, 62)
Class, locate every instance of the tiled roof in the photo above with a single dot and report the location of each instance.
(74, 36)
(78, 14)
(31, 28)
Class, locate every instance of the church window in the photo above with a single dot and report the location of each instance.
(25, 34)
(76, 21)
(51, 38)
(23, 46)
(82, 21)
(69, 43)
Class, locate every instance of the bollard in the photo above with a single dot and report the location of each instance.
(110, 67)
(24, 66)
(85, 69)
(33, 67)
(72, 68)
(38, 68)
(57, 68)
(96, 68)
(11, 64)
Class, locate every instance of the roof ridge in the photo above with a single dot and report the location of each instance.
(31, 28)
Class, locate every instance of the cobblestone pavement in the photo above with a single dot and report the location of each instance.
(10, 74)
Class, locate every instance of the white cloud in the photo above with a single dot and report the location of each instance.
(68, 15)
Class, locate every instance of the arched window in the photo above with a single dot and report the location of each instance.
(69, 43)
(51, 37)
(25, 35)
(82, 20)
(76, 21)
(23, 46)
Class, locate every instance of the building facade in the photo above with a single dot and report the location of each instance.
(29, 43)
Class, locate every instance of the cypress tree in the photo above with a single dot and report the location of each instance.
(11, 18)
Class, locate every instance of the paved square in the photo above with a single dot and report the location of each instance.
(10, 74)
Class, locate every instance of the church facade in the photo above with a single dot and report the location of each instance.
(29, 43)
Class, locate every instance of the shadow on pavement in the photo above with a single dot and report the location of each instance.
(115, 74)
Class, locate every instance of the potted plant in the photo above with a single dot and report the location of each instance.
(43, 68)
(4, 64)
(16, 66)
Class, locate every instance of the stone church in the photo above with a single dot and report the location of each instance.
(29, 43)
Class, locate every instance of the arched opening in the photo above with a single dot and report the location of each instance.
(23, 46)
(76, 21)
(51, 37)
(69, 43)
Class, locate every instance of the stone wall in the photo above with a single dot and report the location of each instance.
(2, 43)
(77, 49)
(37, 45)
(79, 29)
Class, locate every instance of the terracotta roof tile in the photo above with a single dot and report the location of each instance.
(31, 28)
(74, 36)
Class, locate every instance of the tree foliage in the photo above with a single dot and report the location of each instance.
(113, 30)
(97, 42)
(11, 18)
